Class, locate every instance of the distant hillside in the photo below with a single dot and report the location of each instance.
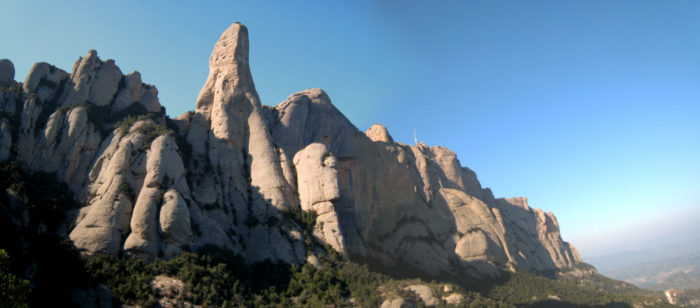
(654, 250)
(678, 273)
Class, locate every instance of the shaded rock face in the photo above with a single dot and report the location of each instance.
(233, 172)
(7, 72)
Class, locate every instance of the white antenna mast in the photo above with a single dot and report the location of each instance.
(415, 138)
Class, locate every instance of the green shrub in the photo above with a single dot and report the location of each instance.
(219, 278)
(13, 290)
(129, 279)
(152, 132)
(305, 219)
(12, 93)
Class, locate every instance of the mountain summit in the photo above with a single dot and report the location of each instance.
(246, 177)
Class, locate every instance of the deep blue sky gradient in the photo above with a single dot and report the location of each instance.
(589, 108)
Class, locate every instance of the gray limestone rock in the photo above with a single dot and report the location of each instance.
(425, 294)
(379, 133)
(132, 90)
(101, 224)
(397, 302)
(83, 73)
(229, 134)
(7, 73)
(143, 241)
(411, 203)
(105, 83)
(228, 173)
(453, 299)
(45, 80)
(317, 176)
(5, 139)
(318, 190)
(175, 218)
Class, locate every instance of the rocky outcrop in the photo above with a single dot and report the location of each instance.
(236, 174)
(453, 299)
(425, 294)
(7, 73)
(379, 133)
(397, 302)
(228, 135)
(318, 190)
(528, 228)
(170, 292)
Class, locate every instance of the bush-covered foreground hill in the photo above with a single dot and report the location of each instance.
(688, 298)
(39, 267)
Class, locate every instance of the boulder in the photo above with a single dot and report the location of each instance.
(45, 80)
(453, 299)
(379, 133)
(397, 302)
(105, 84)
(425, 294)
(318, 190)
(175, 218)
(317, 176)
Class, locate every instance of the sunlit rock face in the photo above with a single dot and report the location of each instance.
(403, 204)
(237, 174)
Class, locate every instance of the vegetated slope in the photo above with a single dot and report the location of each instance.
(678, 273)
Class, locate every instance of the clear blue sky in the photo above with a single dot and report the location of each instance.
(589, 108)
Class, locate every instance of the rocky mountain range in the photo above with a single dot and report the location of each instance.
(243, 176)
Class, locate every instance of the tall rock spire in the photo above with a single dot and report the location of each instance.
(239, 138)
(229, 91)
(232, 48)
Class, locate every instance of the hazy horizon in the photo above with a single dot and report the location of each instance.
(588, 108)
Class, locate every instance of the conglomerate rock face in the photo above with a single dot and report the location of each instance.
(234, 172)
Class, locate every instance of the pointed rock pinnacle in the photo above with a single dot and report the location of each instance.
(230, 82)
(232, 47)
